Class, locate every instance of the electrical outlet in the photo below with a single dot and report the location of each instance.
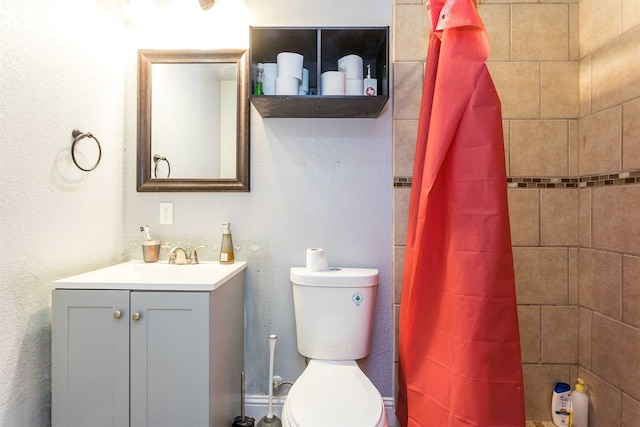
(166, 213)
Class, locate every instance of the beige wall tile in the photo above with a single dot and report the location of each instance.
(584, 217)
(404, 146)
(541, 275)
(584, 338)
(559, 334)
(396, 327)
(518, 85)
(585, 86)
(600, 281)
(540, 32)
(600, 142)
(558, 217)
(407, 89)
(605, 398)
(630, 407)
(574, 263)
(539, 148)
(411, 32)
(630, 14)
(524, 216)
(539, 381)
(560, 94)
(506, 136)
(631, 290)
(529, 322)
(574, 168)
(398, 269)
(401, 196)
(599, 24)
(574, 31)
(615, 355)
(497, 21)
(616, 223)
(616, 72)
(631, 134)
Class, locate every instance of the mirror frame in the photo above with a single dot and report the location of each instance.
(145, 181)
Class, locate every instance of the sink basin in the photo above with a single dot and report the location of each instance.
(205, 276)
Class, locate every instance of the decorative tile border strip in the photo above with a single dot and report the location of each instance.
(621, 178)
(542, 182)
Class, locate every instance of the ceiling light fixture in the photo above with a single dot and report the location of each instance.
(206, 4)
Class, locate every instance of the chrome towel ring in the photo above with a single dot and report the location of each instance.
(77, 136)
(156, 160)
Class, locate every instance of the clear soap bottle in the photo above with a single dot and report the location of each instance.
(226, 251)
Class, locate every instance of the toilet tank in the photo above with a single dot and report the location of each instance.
(334, 311)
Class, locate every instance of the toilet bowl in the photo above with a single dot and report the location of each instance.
(334, 316)
(335, 394)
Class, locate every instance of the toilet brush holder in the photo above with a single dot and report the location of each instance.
(271, 420)
(242, 420)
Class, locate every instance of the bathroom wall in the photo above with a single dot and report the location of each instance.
(62, 67)
(609, 200)
(569, 100)
(314, 183)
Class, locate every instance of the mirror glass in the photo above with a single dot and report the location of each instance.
(193, 120)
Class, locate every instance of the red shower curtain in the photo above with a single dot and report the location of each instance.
(459, 347)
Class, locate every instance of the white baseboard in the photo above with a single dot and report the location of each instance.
(257, 406)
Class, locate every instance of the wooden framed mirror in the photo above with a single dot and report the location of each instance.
(193, 120)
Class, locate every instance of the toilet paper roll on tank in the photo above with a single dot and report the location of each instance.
(316, 260)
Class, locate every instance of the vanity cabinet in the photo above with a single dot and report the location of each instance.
(136, 357)
(321, 49)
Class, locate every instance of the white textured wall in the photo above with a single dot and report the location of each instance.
(61, 67)
(325, 183)
(314, 183)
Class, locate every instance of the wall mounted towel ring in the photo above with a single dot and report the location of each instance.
(77, 136)
(156, 160)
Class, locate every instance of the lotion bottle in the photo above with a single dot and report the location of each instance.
(561, 405)
(579, 406)
(226, 251)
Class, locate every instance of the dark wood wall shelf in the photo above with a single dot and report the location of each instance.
(321, 48)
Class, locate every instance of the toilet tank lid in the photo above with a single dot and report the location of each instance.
(336, 277)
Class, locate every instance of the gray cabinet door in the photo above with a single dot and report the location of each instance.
(90, 358)
(170, 359)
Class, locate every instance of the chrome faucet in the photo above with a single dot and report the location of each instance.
(179, 256)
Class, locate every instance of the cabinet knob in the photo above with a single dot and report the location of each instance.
(135, 316)
(117, 314)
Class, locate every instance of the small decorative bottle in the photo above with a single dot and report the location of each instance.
(259, 80)
(226, 251)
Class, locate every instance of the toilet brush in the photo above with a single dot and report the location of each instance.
(270, 419)
(242, 420)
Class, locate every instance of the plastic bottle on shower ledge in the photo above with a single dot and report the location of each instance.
(226, 251)
(561, 405)
(579, 406)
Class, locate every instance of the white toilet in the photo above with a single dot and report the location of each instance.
(334, 313)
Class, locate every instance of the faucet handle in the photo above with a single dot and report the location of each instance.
(193, 257)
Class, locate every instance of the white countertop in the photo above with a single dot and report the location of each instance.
(157, 276)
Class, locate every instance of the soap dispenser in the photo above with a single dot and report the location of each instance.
(226, 251)
(579, 406)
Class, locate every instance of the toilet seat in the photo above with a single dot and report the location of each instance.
(336, 394)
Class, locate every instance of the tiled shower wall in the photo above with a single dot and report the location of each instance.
(572, 143)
